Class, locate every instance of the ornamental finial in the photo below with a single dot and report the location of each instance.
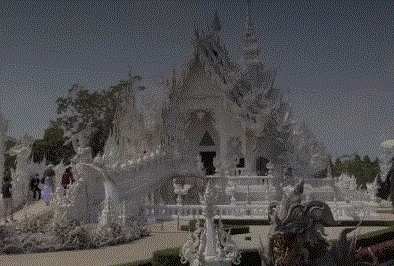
(216, 25)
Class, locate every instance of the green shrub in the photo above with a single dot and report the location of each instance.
(170, 257)
(167, 257)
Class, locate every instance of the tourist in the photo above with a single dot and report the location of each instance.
(386, 188)
(7, 196)
(48, 172)
(49, 185)
(67, 178)
(34, 187)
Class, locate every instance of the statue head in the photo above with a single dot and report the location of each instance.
(297, 229)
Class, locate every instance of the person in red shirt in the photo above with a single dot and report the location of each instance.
(67, 178)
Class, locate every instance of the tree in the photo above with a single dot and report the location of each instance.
(356, 169)
(94, 111)
(9, 161)
(363, 170)
(51, 146)
(338, 168)
(366, 160)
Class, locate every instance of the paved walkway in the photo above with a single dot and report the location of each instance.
(38, 207)
(162, 237)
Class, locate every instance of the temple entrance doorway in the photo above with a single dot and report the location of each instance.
(207, 160)
(261, 166)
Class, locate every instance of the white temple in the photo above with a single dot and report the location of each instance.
(228, 114)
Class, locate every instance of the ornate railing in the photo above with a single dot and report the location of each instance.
(257, 210)
(252, 211)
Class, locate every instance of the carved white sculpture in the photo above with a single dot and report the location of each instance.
(180, 190)
(20, 178)
(234, 153)
(210, 245)
(79, 143)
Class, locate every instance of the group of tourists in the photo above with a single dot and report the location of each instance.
(40, 188)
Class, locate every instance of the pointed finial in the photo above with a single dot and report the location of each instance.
(216, 26)
(248, 21)
(174, 77)
(196, 32)
(251, 50)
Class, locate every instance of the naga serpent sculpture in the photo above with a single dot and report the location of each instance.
(297, 234)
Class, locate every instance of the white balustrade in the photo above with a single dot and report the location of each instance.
(259, 209)
(186, 212)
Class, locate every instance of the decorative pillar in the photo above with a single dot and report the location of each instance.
(180, 190)
(275, 182)
(230, 191)
(218, 126)
(122, 217)
(210, 245)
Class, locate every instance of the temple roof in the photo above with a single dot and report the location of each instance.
(248, 86)
(210, 59)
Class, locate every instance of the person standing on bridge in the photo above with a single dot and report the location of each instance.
(49, 185)
(67, 178)
(34, 187)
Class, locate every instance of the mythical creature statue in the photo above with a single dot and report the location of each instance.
(20, 177)
(297, 234)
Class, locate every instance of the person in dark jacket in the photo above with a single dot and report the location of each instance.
(34, 182)
(67, 178)
(6, 190)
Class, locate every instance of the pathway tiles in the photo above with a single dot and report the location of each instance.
(38, 207)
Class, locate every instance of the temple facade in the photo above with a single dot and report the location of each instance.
(228, 115)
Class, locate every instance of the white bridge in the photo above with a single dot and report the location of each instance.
(256, 192)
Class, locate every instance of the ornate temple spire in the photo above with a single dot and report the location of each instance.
(216, 25)
(251, 50)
